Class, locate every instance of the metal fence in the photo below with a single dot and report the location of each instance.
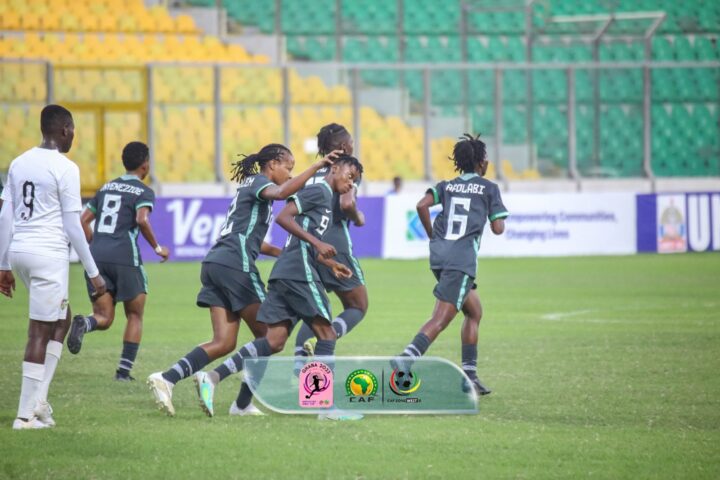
(632, 119)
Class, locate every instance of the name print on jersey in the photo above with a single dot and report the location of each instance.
(473, 188)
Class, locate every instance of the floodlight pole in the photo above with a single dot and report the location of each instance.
(647, 102)
(426, 124)
(150, 97)
(355, 85)
(529, 109)
(596, 89)
(286, 104)
(217, 100)
(498, 126)
(572, 131)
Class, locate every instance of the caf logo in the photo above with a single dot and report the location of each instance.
(361, 383)
(404, 382)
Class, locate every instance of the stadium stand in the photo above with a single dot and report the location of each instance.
(98, 37)
(429, 30)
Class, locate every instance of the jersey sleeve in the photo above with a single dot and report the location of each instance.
(497, 208)
(260, 184)
(92, 205)
(146, 199)
(437, 192)
(308, 199)
(69, 189)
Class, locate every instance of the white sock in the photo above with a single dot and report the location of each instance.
(32, 376)
(52, 357)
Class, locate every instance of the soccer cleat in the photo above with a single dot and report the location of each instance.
(162, 391)
(206, 392)
(249, 411)
(43, 411)
(340, 415)
(124, 377)
(77, 332)
(32, 423)
(476, 385)
(309, 346)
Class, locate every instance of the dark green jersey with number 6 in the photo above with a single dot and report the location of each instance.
(115, 207)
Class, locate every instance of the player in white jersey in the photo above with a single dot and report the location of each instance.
(40, 216)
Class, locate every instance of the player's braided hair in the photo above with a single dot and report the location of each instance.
(468, 153)
(330, 137)
(350, 160)
(252, 164)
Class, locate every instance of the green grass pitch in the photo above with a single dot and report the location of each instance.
(603, 367)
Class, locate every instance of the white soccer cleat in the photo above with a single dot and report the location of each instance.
(43, 411)
(32, 423)
(249, 411)
(206, 391)
(162, 390)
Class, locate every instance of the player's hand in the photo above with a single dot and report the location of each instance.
(325, 250)
(327, 160)
(360, 221)
(7, 283)
(341, 271)
(164, 253)
(98, 284)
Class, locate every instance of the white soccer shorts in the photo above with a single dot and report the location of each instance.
(46, 279)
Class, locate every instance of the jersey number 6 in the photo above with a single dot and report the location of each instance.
(455, 218)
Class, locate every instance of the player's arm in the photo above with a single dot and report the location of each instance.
(7, 281)
(270, 250)
(423, 211)
(498, 211)
(348, 204)
(86, 218)
(286, 219)
(70, 206)
(338, 269)
(142, 218)
(281, 192)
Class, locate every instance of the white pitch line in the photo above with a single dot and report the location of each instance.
(563, 315)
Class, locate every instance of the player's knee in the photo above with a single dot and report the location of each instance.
(276, 345)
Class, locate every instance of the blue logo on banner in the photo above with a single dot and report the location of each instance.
(415, 230)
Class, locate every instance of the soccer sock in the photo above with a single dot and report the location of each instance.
(244, 397)
(90, 324)
(186, 366)
(469, 360)
(347, 320)
(417, 347)
(260, 347)
(304, 334)
(52, 357)
(325, 348)
(127, 358)
(33, 375)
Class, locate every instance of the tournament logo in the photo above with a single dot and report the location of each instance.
(315, 386)
(404, 382)
(671, 224)
(361, 386)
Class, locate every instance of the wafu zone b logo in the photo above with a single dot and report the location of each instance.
(361, 386)
(404, 382)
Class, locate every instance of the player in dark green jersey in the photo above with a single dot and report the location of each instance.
(295, 291)
(351, 291)
(467, 202)
(231, 285)
(121, 210)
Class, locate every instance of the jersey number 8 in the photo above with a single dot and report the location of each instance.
(109, 214)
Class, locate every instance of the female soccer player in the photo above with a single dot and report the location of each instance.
(295, 291)
(351, 291)
(231, 285)
(454, 244)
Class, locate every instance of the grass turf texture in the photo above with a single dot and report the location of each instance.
(604, 367)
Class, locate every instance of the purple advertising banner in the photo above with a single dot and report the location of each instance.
(678, 222)
(190, 226)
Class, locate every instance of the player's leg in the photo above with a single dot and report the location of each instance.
(472, 308)
(355, 304)
(43, 410)
(103, 308)
(134, 312)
